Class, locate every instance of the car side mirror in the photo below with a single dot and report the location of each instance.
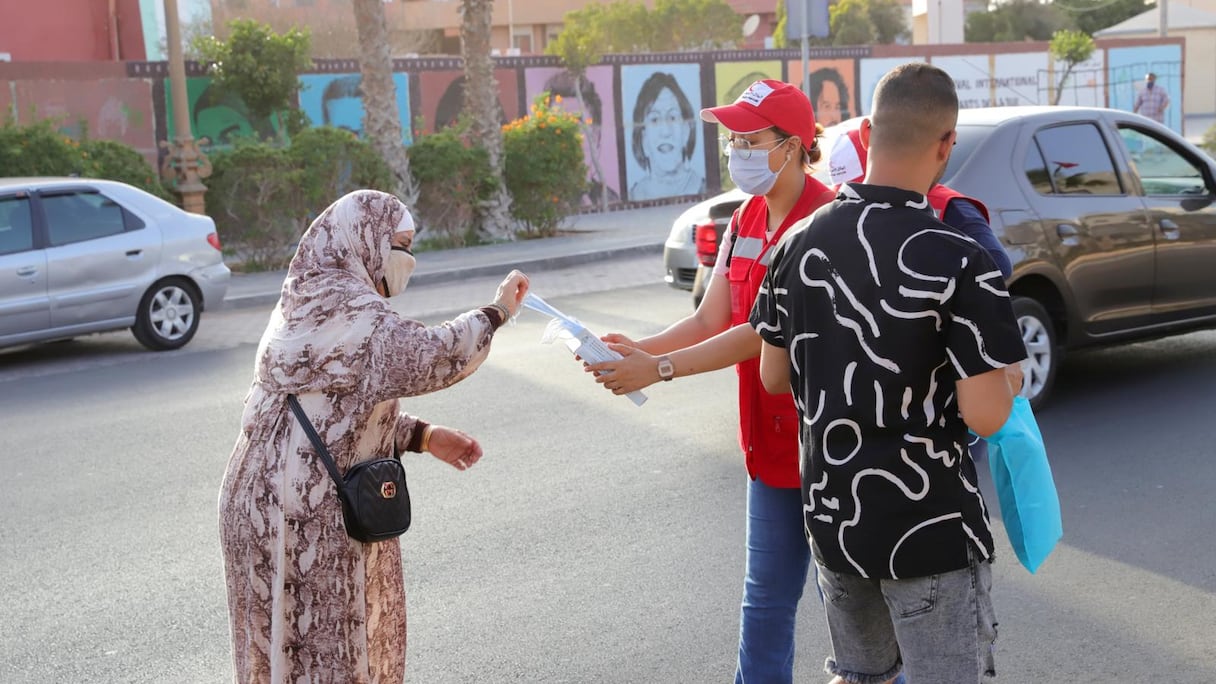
(1198, 203)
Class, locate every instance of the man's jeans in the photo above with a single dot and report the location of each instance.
(941, 627)
(778, 557)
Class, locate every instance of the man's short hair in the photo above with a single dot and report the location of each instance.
(1151, 75)
(914, 105)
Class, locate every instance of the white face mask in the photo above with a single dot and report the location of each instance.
(753, 175)
(398, 270)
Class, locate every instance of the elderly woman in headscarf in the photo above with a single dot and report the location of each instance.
(307, 602)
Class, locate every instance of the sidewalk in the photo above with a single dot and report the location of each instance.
(589, 237)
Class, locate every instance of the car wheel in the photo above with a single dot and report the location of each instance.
(1042, 354)
(168, 315)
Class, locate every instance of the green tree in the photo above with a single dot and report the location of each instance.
(850, 23)
(629, 26)
(259, 66)
(865, 22)
(1072, 48)
(1092, 16)
(779, 30)
(697, 24)
(1016, 21)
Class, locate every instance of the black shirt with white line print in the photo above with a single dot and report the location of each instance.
(882, 307)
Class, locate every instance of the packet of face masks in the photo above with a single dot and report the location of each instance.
(577, 338)
(1026, 491)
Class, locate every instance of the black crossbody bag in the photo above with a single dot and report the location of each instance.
(375, 500)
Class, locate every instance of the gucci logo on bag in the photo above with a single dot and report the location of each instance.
(388, 490)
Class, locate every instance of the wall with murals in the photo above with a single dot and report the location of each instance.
(645, 142)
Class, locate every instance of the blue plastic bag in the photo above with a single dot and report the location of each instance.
(1025, 489)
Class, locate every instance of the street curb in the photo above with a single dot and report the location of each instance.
(549, 263)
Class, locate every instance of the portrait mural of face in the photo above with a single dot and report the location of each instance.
(665, 134)
(730, 80)
(598, 101)
(833, 89)
(219, 116)
(337, 100)
(442, 96)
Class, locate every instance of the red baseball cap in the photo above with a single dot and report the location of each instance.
(847, 158)
(767, 104)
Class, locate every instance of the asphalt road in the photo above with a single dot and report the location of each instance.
(596, 541)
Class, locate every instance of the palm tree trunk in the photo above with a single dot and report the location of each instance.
(381, 118)
(481, 104)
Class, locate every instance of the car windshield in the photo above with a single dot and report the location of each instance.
(969, 138)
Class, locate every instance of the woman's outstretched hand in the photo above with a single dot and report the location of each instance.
(453, 447)
(511, 292)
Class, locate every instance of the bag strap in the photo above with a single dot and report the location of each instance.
(317, 444)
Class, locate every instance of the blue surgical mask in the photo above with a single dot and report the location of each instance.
(1148, 84)
(752, 175)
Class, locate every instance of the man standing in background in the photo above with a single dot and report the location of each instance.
(1152, 101)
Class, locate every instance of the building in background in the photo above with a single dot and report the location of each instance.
(1194, 20)
(71, 31)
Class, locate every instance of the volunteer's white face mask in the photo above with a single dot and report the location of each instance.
(398, 270)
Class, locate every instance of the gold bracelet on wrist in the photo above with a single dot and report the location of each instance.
(426, 438)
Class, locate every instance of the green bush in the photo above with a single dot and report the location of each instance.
(453, 177)
(332, 162)
(115, 161)
(543, 167)
(38, 149)
(263, 196)
(253, 197)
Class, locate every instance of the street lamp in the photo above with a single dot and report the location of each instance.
(185, 163)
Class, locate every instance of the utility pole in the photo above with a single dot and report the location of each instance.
(1163, 16)
(187, 164)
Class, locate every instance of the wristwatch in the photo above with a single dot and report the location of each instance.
(667, 371)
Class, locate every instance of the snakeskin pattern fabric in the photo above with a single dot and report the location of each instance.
(306, 602)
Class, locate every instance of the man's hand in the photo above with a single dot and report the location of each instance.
(453, 447)
(633, 371)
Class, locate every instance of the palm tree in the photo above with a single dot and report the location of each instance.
(381, 118)
(481, 104)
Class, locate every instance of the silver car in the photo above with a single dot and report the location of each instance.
(80, 256)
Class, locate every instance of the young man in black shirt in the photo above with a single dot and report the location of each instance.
(894, 332)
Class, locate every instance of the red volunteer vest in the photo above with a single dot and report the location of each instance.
(768, 423)
(941, 196)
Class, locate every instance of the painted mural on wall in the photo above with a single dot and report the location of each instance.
(663, 132)
(646, 132)
(833, 88)
(441, 98)
(337, 100)
(1085, 85)
(219, 116)
(1127, 68)
(597, 107)
(870, 72)
(730, 80)
(110, 109)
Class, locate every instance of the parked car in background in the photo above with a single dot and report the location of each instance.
(80, 256)
(1108, 217)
